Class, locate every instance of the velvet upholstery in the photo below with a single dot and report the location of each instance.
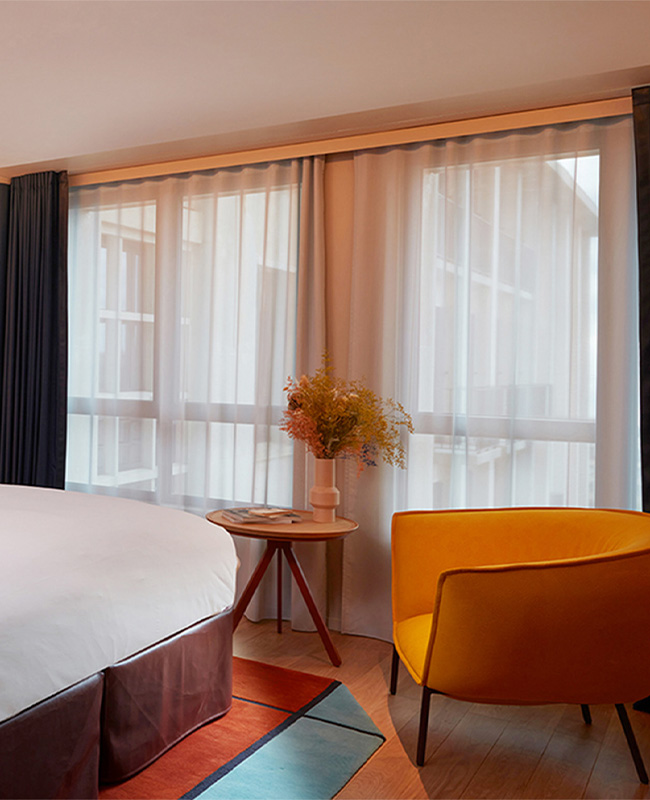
(519, 606)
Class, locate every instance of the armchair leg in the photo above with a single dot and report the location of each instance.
(394, 669)
(631, 741)
(424, 724)
(586, 714)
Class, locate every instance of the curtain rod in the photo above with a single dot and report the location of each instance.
(554, 115)
(442, 130)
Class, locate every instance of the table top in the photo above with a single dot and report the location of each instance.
(305, 530)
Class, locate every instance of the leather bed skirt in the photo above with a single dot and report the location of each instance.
(52, 749)
(113, 724)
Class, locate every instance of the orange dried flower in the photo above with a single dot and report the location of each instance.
(337, 418)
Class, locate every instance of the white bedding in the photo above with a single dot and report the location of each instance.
(86, 581)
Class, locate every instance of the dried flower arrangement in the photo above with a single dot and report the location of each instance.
(338, 418)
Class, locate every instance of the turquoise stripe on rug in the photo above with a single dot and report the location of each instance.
(341, 708)
(309, 757)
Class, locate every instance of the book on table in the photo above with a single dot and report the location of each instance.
(259, 514)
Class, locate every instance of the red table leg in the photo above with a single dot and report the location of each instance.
(287, 548)
(254, 582)
(298, 574)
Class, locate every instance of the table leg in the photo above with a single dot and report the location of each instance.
(254, 582)
(298, 574)
(279, 589)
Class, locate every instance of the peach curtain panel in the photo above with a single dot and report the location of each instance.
(488, 283)
(492, 291)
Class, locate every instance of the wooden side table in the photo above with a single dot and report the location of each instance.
(279, 537)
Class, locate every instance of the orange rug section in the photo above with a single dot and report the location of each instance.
(208, 748)
(275, 686)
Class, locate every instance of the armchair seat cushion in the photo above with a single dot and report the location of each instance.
(411, 637)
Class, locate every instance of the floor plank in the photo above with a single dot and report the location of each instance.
(614, 775)
(513, 759)
(565, 767)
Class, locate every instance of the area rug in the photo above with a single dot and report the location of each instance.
(288, 735)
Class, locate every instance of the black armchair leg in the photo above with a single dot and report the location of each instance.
(631, 741)
(394, 669)
(586, 714)
(424, 724)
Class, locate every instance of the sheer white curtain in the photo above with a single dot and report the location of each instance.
(494, 295)
(183, 318)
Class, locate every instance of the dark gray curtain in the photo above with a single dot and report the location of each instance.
(4, 232)
(34, 355)
(641, 105)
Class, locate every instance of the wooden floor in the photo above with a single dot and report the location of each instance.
(474, 751)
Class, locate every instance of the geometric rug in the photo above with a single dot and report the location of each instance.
(289, 735)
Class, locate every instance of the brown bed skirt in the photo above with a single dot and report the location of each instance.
(115, 723)
(52, 749)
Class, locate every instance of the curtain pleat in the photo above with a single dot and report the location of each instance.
(311, 337)
(34, 356)
(641, 117)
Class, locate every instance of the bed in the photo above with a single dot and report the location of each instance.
(115, 636)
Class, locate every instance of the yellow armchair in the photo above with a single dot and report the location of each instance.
(524, 606)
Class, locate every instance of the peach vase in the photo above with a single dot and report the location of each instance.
(323, 495)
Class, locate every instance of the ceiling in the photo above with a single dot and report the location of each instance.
(90, 84)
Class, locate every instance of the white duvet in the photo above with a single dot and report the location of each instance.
(86, 581)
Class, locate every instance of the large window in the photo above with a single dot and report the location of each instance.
(182, 320)
(502, 269)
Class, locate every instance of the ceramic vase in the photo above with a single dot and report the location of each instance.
(323, 495)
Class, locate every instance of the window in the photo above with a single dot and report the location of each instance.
(182, 329)
(508, 332)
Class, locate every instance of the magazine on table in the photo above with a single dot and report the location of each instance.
(259, 514)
